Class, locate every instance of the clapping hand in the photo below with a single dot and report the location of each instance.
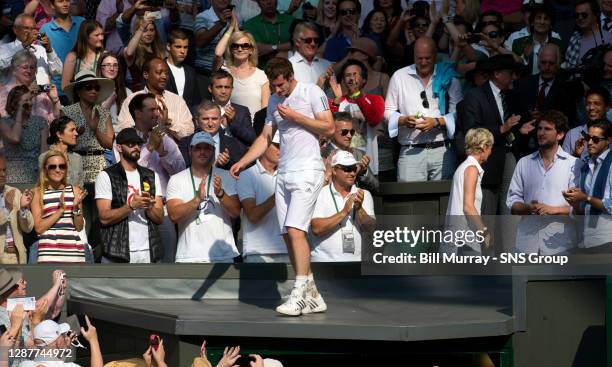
(26, 199)
(527, 127)
(223, 158)
(217, 186)
(510, 123)
(230, 113)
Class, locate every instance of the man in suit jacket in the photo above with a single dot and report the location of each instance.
(227, 149)
(486, 107)
(15, 219)
(236, 120)
(182, 79)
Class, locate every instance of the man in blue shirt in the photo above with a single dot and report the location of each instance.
(62, 31)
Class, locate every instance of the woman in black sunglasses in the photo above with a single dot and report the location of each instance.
(57, 212)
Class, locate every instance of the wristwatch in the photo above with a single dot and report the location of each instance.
(437, 124)
(447, 19)
(77, 212)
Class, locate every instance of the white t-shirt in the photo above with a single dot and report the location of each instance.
(263, 237)
(247, 92)
(137, 219)
(299, 146)
(179, 78)
(212, 239)
(328, 248)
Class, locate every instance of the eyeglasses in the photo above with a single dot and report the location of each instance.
(424, 98)
(344, 132)
(310, 40)
(595, 139)
(582, 15)
(243, 46)
(110, 66)
(90, 87)
(347, 168)
(53, 167)
(347, 11)
(421, 25)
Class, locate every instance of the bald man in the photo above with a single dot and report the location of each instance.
(422, 120)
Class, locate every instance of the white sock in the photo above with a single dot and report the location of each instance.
(300, 281)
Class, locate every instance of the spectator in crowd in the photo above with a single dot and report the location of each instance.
(228, 150)
(327, 11)
(541, 21)
(126, 22)
(24, 136)
(487, 106)
(209, 26)
(425, 153)
(492, 41)
(49, 305)
(271, 30)
(45, 100)
(53, 339)
(465, 198)
(110, 68)
(592, 197)
(526, 9)
(262, 240)
(301, 113)
(597, 105)
(536, 191)
(402, 36)
(364, 49)
(341, 214)
(93, 122)
(156, 356)
(144, 45)
(337, 45)
(47, 62)
(9, 338)
(391, 8)
(202, 200)
(62, 32)
(63, 138)
(15, 220)
(236, 119)
(376, 28)
(606, 78)
(251, 87)
(605, 19)
(459, 49)
(40, 10)
(308, 67)
(129, 202)
(182, 79)
(159, 153)
(589, 34)
(86, 51)
(107, 13)
(155, 73)
(57, 211)
(341, 140)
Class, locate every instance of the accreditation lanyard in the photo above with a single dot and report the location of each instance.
(196, 193)
(331, 193)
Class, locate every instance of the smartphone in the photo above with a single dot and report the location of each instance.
(154, 340)
(244, 361)
(231, 7)
(584, 134)
(153, 14)
(40, 36)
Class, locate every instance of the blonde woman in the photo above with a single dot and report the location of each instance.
(237, 52)
(57, 212)
(465, 198)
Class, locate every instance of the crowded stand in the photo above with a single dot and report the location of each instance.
(261, 131)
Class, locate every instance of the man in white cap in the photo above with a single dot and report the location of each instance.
(341, 214)
(262, 240)
(202, 200)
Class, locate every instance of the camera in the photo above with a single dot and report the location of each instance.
(40, 36)
(231, 7)
(154, 341)
(45, 88)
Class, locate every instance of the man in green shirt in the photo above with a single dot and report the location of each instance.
(271, 31)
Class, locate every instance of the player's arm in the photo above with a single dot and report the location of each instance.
(322, 124)
(257, 149)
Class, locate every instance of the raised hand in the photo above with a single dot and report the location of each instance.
(217, 186)
(230, 113)
(527, 127)
(230, 357)
(348, 206)
(510, 123)
(90, 334)
(359, 199)
(236, 169)
(223, 158)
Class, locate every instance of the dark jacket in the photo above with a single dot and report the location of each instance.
(116, 237)
(236, 150)
(241, 127)
(193, 94)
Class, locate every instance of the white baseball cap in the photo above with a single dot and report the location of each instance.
(48, 331)
(269, 362)
(343, 158)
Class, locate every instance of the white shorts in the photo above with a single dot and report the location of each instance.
(296, 196)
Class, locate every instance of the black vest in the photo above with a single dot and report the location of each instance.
(116, 237)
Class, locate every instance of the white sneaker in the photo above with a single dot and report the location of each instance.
(295, 304)
(314, 300)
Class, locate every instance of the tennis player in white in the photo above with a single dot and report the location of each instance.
(301, 114)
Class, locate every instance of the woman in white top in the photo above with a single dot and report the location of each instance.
(237, 52)
(466, 194)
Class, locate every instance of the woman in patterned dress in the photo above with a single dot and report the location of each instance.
(58, 217)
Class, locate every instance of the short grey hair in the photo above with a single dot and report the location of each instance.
(21, 57)
(21, 17)
(553, 47)
(207, 105)
(477, 139)
(299, 29)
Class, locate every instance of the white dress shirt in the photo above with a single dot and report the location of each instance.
(47, 64)
(308, 72)
(498, 100)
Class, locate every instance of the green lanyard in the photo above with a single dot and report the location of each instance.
(197, 193)
(336, 204)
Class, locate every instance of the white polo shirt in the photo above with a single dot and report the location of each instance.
(263, 237)
(299, 147)
(328, 248)
(212, 239)
(308, 72)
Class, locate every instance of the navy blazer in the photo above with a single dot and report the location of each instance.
(241, 127)
(193, 94)
(236, 150)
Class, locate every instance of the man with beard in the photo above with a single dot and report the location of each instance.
(128, 197)
(536, 191)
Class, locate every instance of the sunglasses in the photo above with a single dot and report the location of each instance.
(53, 167)
(347, 11)
(424, 98)
(310, 40)
(90, 87)
(347, 168)
(421, 25)
(581, 15)
(345, 132)
(595, 139)
(131, 145)
(242, 46)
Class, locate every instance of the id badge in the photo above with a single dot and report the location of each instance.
(204, 211)
(348, 241)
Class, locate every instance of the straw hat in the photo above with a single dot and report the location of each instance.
(107, 86)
